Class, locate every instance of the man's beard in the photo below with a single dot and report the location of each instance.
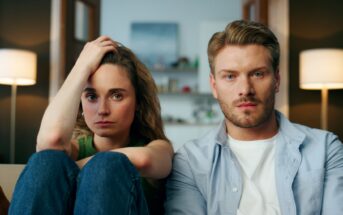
(249, 119)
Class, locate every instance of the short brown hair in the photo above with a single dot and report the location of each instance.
(242, 32)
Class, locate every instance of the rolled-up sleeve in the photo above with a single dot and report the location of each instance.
(333, 181)
(183, 195)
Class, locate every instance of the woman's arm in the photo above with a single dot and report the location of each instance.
(152, 161)
(60, 116)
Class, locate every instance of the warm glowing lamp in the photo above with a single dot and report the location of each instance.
(322, 69)
(17, 67)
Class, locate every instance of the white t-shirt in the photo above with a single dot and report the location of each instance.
(257, 162)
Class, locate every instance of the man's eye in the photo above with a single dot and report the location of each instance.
(229, 76)
(259, 74)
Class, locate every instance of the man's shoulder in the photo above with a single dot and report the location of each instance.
(199, 149)
(308, 135)
(208, 139)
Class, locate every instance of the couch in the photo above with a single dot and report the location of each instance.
(9, 174)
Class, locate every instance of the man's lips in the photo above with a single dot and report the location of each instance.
(247, 104)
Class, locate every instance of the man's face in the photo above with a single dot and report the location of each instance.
(244, 83)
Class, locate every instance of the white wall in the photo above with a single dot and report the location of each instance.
(116, 19)
(117, 16)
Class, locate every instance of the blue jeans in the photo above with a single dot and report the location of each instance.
(52, 183)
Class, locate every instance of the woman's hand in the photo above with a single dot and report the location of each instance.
(92, 53)
(59, 118)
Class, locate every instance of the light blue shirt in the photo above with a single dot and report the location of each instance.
(308, 170)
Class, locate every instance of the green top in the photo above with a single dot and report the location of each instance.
(86, 147)
(154, 194)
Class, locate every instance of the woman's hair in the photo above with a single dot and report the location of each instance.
(147, 124)
(243, 32)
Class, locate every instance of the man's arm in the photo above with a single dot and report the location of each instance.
(183, 195)
(333, 184)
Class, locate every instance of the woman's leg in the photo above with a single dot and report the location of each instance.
(47, 185)
(110, 184)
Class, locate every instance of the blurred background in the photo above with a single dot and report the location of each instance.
(171, 37)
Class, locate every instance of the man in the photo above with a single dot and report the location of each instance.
(256, 162)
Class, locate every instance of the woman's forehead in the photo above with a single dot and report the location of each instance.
(110, 76)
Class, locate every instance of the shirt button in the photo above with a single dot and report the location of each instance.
(234, 189)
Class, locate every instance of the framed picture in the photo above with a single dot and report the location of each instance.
(156, 44)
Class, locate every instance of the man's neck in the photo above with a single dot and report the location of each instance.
(264, 131)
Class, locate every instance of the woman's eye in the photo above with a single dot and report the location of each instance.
(117, 96)
(91, 97)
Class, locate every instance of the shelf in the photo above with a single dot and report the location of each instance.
(174, 70)
(184, 94)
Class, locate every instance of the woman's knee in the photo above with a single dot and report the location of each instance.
(110, 164)
(52, 163)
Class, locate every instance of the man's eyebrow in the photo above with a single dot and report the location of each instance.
(260, 68)
(226, 71)
(252, 70)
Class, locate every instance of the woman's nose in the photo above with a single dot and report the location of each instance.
(103, 107)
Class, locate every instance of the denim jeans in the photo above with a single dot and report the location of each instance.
(52, 183)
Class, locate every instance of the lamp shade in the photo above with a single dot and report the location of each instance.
(17, 67)
(321, 68)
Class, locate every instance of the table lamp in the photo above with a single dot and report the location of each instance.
(322, 69)
(17, 67)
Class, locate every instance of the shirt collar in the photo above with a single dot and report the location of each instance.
(285, 127)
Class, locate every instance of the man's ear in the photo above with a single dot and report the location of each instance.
(213, 85)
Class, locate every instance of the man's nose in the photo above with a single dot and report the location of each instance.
(246, 87)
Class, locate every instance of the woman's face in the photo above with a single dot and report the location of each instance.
(109, 102)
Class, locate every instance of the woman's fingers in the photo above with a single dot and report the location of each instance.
(108, 43)
(102, 38)
(105, 41)
(93, 52)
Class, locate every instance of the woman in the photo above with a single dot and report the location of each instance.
(119, 139)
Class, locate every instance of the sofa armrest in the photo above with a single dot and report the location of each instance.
(9, 174)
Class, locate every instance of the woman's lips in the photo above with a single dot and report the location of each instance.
(104, 123)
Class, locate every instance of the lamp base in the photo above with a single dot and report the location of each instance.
(12, 134)
(324, 109)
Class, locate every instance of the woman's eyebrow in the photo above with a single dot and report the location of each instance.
(89, 89)
(116, 90)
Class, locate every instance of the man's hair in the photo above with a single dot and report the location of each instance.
(243, 32)
(147, 124)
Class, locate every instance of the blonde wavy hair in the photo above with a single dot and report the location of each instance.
(147, 124)
(242, 32)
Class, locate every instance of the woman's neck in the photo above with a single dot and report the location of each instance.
(108, 143)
